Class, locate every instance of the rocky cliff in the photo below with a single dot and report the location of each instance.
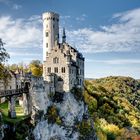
(1, 128)
(60, 116)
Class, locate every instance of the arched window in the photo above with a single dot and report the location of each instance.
(55, 60)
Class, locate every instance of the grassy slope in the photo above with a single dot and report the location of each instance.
(114, 104)
(19, 113)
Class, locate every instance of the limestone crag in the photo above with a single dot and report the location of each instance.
(58, 116)
(1, 128)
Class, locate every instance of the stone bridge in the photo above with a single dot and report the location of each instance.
(11, 96)
(12, 92)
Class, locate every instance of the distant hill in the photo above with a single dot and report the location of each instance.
(89, 78)
(114, 104)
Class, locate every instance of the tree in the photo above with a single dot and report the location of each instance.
(4, 73)
(13, 67)
(3, 57)
(3, 54)
(36, 67)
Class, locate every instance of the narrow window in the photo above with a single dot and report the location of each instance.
(49, 69)
(63, 69)
(46, 45)
(47, 34)
(80, 82)
(56, 70)
(79, 71)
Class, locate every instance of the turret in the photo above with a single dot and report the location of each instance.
(64, 36)
(50, 32)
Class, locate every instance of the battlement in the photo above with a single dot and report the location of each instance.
(50, 15)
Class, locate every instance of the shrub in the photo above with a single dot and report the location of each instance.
(53, 115)
(85, 129)
(77, 93)
(91, 102)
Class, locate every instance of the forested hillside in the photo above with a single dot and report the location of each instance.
(114, 104)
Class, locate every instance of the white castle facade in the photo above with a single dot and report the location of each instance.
(63, 65)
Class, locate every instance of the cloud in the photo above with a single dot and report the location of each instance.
(65, 17)
(10, 3)
(16, 6)
(81, 18)
(22, 36)
(20, 33)
(116, 61)
(24, 54)
(122, 36)
(4, 2)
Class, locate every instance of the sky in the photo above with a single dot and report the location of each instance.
(107, 32)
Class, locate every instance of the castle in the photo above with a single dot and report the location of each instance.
(62, 63)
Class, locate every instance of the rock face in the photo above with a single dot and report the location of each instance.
(1, 128)
(60, 116)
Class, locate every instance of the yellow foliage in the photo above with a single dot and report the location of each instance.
(101, 135)
(106, 127)
(126, 134)
(134, 121)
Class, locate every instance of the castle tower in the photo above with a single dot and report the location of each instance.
(50, 32)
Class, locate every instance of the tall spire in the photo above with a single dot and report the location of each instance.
(64, 36)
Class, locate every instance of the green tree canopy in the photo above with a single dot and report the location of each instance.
(3, 57)
(36, 67)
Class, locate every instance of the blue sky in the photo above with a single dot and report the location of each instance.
(107, 32)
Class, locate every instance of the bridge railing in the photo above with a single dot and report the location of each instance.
(4, 93)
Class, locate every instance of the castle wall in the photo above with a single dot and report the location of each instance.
(39, 94)
(56, 53)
